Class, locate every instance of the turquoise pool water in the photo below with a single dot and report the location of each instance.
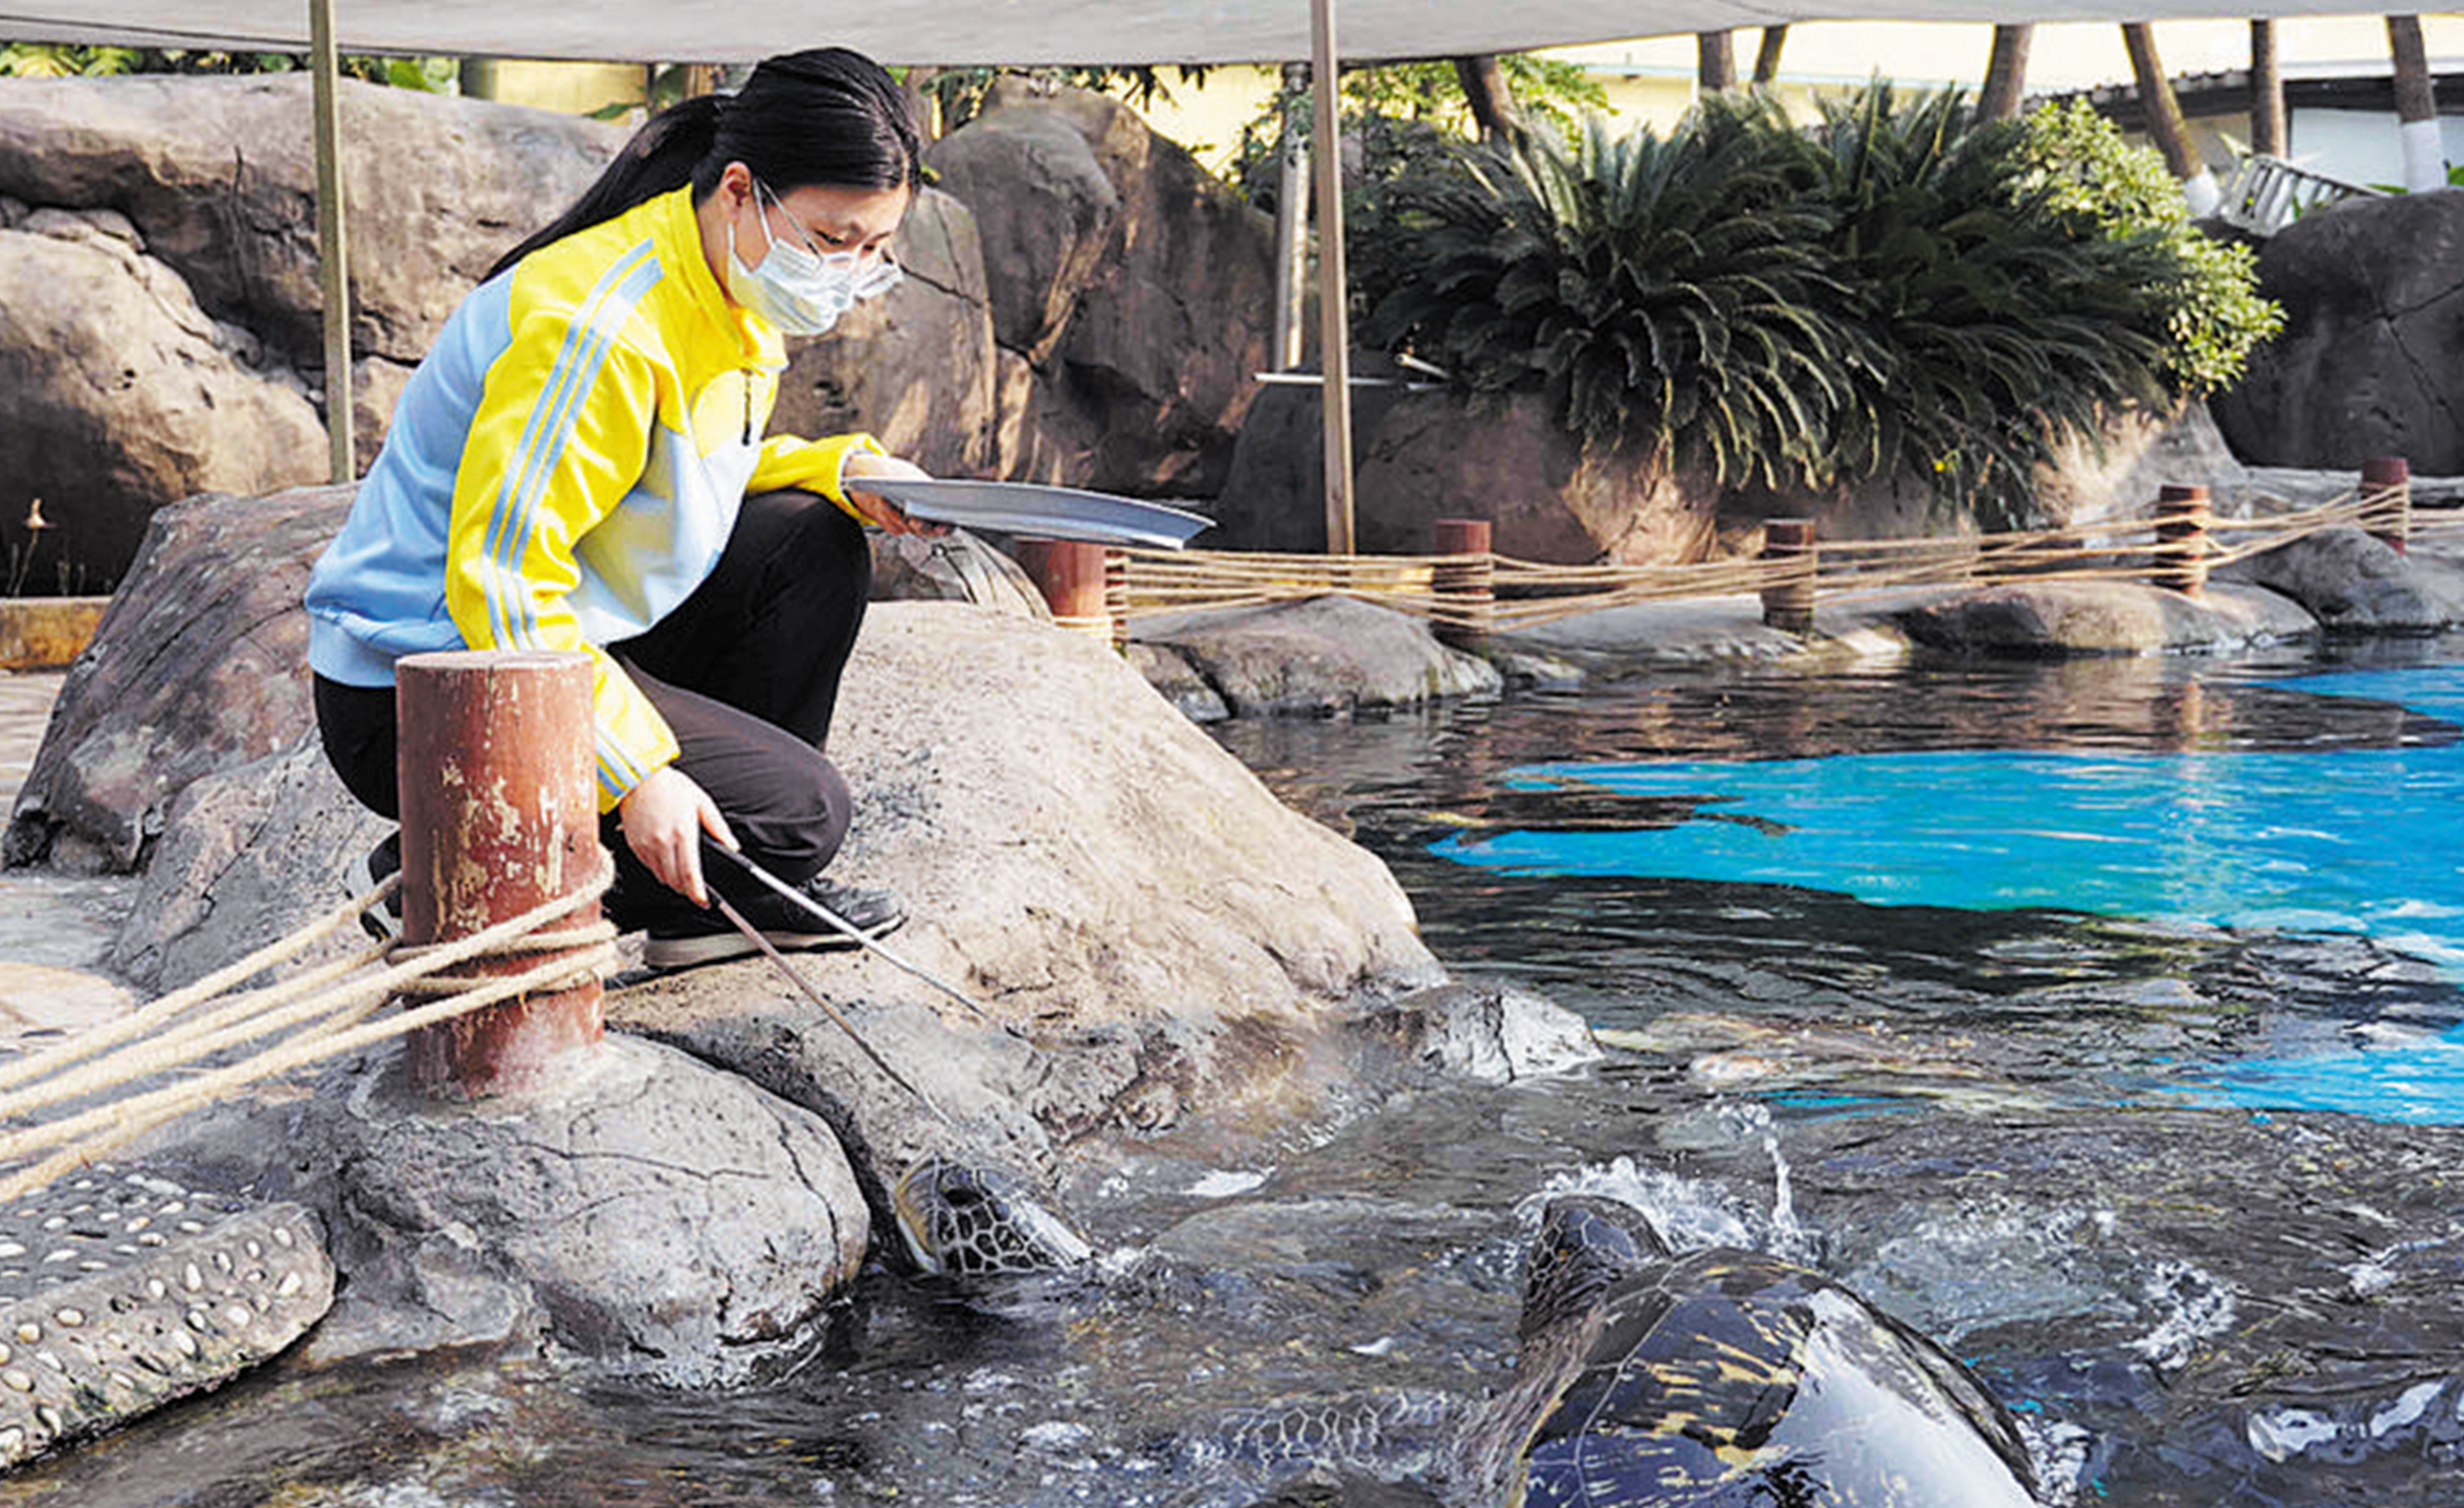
(2365, 840)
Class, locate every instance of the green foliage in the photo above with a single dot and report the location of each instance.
(1663, 292)
(2213, 316)
(60, 60)
(1899, 291)
(1988, 321)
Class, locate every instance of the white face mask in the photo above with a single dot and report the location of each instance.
(797, 288)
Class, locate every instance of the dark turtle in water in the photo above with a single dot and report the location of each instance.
(973, 1219)
(1722, 1379)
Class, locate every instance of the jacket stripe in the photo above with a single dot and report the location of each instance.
(597, 323)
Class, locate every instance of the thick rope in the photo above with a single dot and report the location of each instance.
(1529, 593)
(324, 1025)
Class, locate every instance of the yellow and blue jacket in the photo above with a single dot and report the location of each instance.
(564, 468)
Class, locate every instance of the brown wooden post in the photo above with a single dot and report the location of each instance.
(1466, 583)
(1070, 575)
(2181, 539)
(499, 816)
(1788, 603)
(2390, 474)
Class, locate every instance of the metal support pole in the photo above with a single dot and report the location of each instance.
(2389, 476)
(1466, 584)
(2181, 539)
(1335, 331)
(333, 249)
(1292, 235)
(499, 816)
(1788, 603)
(1070, 574)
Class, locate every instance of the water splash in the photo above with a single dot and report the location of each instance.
(2191, 1304)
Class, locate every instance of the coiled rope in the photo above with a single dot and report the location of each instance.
(323, 1013)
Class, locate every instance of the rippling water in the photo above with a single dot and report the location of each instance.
(2073, 1011)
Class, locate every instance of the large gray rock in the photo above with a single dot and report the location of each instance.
(117, 392)
(2368, 362)
(219, 176)
(177, 349)
(199, 665)
(914, 368)
(666, 1219)
(2102, 617)
(224, 877)
(1327, 654)
(2355, 583)
(1131, 287)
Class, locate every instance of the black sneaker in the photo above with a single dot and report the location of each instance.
(686, 938)
(382, 921)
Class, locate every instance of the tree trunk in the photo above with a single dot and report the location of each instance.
(1717, 53)
(1766, 56)
(2166, 125)
(2267, 134)
(2417, 107)
(1492, 102)
(923, 105)
(2006, 73)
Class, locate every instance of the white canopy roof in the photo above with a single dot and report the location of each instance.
(1023, 32)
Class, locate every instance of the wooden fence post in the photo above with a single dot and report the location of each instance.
(2390, 476)
(1070, 573)
(499, 817)
(1466, 584)
(2181, 539)
(1788, 602)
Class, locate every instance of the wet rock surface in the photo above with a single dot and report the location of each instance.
(666, 1219)
(122, 1291)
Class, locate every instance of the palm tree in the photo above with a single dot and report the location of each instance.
(2166, 125)
(2006, 72)
(2417, 107)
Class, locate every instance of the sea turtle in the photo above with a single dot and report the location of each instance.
(1721, 1379)
(976, 1220)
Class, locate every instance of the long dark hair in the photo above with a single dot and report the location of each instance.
(826, 116)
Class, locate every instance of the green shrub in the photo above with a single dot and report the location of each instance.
(1667, 293)
(2212, 314)
(1902, 290)
(1986, 318)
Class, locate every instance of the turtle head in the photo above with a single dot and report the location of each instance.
(1585, 1244)
(973, 1219)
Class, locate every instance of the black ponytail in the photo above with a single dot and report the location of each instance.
(828, 116)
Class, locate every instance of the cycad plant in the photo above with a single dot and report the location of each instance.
(1666, 293)
(1986, 318)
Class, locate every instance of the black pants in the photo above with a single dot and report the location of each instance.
(746, 672)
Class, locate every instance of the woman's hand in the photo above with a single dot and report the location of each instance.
(663, 819)
(877, 509)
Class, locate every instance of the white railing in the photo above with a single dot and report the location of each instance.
(2268, 193)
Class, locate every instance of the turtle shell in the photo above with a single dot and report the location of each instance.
(1731, 1378)
(975, 1221)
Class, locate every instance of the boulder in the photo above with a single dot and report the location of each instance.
(1494, 1033)
(2117, 473)
(150, 344)
(666, 1219)
(1134, 288)
(199, 665)
(219, 176)
(2101, 618)
(2355, 583)
(2367, 364)
(1327, 654)
(118, 392)
(128, 1291)
(914, 368)
(223, 879)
